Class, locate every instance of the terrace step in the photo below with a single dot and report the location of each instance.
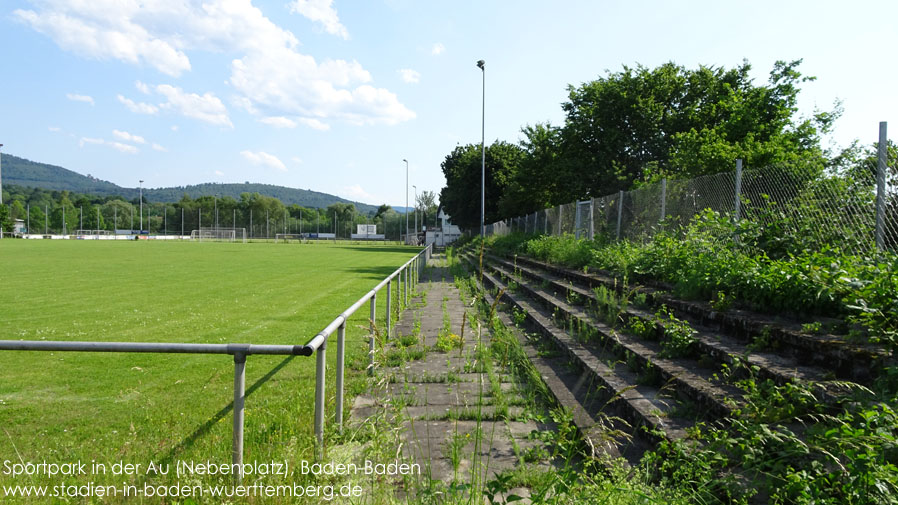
(639, 405)
(604, 435)
(710, 341)
(686, 376)
(844, 359)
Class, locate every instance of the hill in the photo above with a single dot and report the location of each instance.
(24, 172)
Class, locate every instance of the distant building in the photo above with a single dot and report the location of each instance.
(447, 232)
(19, 227)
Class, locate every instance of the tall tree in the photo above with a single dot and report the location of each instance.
(462, 169)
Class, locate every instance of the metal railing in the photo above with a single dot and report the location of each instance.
(408, 273)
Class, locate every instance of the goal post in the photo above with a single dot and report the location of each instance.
(219, 234)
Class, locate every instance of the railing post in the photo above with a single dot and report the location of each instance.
(738, 203)
(389, 312)
(373, 318)
(319, 398)
(239, 400)
(405, 289)
(341, 349)
(881, 186)
(620, 210)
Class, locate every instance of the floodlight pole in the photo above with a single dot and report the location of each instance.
(406, 199)
(482, 66)
(140, 186)
(416, 208)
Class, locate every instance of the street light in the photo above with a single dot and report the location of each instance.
(482, 66)
(406, 199)
(141, 206)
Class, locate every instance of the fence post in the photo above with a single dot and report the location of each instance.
(592, 226)
(577, 220)
(373, 319)
(320, 361)
(738, 189)
(546, 213)
(663, 198)
(341, 340)
(559, 219)
(881, 186)
(239, 400)
(620, 210)
(389, 312)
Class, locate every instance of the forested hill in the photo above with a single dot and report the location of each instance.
(23, 172)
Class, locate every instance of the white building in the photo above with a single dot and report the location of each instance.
(447, 233)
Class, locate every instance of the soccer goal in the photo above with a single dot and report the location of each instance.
(219, 234)
(93, 232)
(287, 237)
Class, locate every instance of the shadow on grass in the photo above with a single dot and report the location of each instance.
(202, 430)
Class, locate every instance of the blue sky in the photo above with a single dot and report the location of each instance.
(332, 95)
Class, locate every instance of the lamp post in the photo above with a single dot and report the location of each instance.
(482, 66)
(141, 205)
(416, 210)
(406, 199)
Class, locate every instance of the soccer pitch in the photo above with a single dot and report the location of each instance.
(137, 408)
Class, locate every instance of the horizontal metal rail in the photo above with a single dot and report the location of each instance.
(147, 347)
(241, 351)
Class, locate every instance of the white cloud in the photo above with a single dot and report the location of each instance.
(437, 49)
(219, 173)
(357, 193)
(174, 127)
(138, 107)
(314, 124)
(279, 122)
(125, 148)
(207, 108)
(54, 129)
(267, 72)
(321, 11)
(142, 87)
(410, 76)
(80, 98)
(105, 30)
(264, 159)
(159, 148)
(297, 160)
(127, 137)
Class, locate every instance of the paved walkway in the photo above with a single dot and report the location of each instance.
(462, 417)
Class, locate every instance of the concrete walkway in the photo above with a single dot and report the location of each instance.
(461, 416)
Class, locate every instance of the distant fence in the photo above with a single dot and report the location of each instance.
(857, 210)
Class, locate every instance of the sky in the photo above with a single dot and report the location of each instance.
(333, 95)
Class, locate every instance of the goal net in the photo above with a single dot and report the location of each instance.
(219, 234)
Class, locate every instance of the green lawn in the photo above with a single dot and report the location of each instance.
(142, 407)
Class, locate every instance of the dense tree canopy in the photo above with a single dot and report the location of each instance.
(462, 169)
(638, 125)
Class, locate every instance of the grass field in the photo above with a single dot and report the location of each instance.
(165, 407)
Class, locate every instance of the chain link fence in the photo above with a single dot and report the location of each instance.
(854, 209)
